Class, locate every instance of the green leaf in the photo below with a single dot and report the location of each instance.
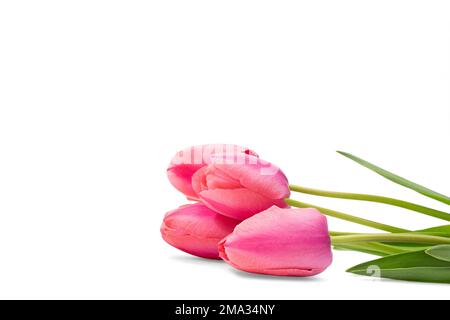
(442, 231)
(399, 180)
(413, 266)
(409, 246)
(441, 252)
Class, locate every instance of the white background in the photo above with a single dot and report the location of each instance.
(96, 97)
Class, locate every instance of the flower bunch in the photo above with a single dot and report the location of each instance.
(242, 213)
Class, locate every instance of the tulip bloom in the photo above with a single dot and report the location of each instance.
(197, 230)
(282, 242)
(241, 186)
(186, 162)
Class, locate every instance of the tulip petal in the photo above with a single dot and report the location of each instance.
(297, 272)
(280, 242)
(186, 162)
(255, 174)
(221, 181)
(237, 203)
(195, 229)
(181, 178)
(238, 188)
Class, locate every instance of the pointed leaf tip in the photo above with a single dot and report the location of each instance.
(399, 180)
(441, 252)
(413, 266)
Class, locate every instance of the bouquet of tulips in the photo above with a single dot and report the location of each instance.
(242, 213)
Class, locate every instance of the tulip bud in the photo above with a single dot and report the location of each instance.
(241, 186)
(282, 242)
(197, 230)
(186, 162)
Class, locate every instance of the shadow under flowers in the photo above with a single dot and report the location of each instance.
(191, 260)
(266, 277)
(197, 260)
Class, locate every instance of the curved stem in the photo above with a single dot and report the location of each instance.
(386, 237)
(347, 217)
(373, 198)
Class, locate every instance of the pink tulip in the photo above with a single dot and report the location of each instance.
(282, 242)
(241, 186)
(186, 162)
(197, 230)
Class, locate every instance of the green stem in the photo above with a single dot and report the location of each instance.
(386, 237)
(375, 248)
(372, 198)
(338, 233)
(347, 217)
